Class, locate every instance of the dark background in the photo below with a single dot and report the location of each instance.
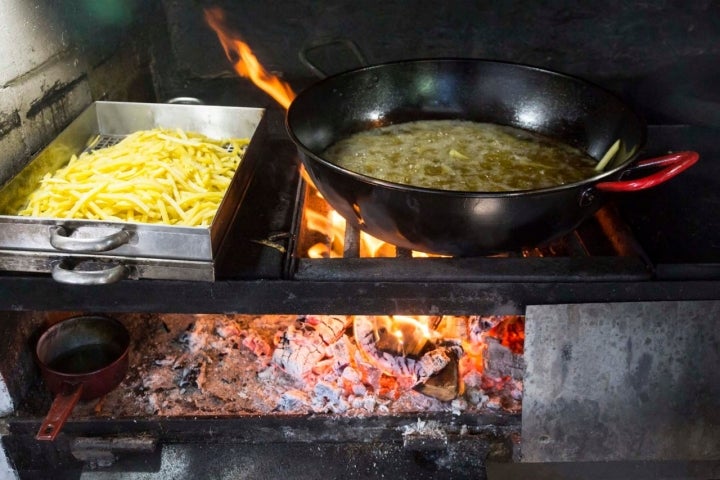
(661, 56)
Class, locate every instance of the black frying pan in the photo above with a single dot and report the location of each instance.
(469, 223)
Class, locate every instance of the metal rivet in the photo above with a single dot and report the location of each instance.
(587, 197)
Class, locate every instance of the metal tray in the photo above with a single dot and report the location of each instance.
(98, 252)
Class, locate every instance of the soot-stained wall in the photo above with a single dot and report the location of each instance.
(56, 58)
(664, 56)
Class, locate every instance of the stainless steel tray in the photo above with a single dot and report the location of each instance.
(116, 250)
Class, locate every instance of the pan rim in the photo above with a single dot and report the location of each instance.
(78, 377)
(632, 155)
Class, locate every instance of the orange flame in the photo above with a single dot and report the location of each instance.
(245, 62)
(333, 225)
(511, 333)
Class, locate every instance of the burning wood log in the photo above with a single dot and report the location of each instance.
(401, 335)
(419, 370)
(444, 385)
(304, 343)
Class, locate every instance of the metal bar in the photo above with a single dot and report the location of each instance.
(33, 293)
(403, 252)
(278, 427)
(351, 248)
(531, 269)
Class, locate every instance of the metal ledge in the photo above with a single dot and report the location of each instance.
(25, 293)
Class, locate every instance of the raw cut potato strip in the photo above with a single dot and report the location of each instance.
(163, 176)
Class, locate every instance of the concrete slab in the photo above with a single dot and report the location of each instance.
(632, 381)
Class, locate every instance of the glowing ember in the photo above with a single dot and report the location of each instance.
(511, 333)
(241, 365)
(245, 62)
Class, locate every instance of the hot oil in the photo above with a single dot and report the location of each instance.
(462, 156)
(85, 358)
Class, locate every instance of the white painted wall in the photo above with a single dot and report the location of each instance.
(35, 57)
(6, 407)
(28, 39)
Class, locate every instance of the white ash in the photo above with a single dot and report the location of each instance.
(194, 365)
(476, 396)
(293, 399)
(369, 403)
(501, 361)
(428, 428)
(328, 398)
(481, 324)
(304, 343)
(360, 403)
(353, 379)
(473, 379)
(459, 405)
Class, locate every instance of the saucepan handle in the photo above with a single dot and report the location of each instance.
(60, 410)
(671, 165)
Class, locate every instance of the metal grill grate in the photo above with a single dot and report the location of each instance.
(98, 142)
(600, 248)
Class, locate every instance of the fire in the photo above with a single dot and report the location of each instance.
(404, 335)
(247, 65)
(401, 342)
(511, 333)
(373, 247)
(333, 222)
(332, 225)
(245, 62)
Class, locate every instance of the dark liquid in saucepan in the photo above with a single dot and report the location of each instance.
(85, 359)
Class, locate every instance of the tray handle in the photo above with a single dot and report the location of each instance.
(62, 274)
(61, 240)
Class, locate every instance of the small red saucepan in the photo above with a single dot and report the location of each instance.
(80, 358)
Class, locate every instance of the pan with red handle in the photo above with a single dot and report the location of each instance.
(563, 107)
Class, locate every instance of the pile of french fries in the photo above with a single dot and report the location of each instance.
(162, 176)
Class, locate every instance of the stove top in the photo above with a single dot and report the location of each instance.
(674, 226)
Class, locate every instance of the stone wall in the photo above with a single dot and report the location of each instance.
(662, 56)
(55, 59)
(58, 57)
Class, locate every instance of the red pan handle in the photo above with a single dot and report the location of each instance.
(672, 164)
(59, 412)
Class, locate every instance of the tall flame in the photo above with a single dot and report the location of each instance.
(245, 62)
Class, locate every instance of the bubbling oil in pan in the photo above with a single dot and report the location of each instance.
(462, 155)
